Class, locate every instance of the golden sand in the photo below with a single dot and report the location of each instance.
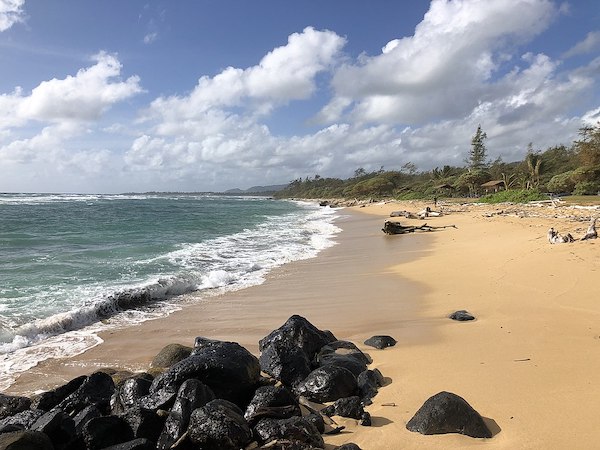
(529, 363)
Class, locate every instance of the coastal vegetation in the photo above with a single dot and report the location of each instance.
(557, 170)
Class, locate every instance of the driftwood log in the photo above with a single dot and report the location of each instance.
(390, 227)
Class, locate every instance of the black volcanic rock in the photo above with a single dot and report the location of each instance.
(327, 384)
(217, 426)
(294, 429)
(25, 440)
(446, 412)
(11, 405)
(381, 342)
(105, 431)
(287, 352)
(96, 389)
(351, 407)
(230, 370)
(170, 354)
(461, 316)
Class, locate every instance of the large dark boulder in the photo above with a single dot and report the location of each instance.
(48, 400)
(20, 421)
(295, 429)
(58, 426)
(346, 361)
(169, 355)
(351, 407)
(272, 401)
(96, 389)
(446, 412)
(11, 405)
(231, 371)
(105, 431)
(145, 423)
(327, 384)
(296, 339)
(84, 416)
(161, 399)
(217, 426)
(345, 348)
(129, 392)
(380, 342)
(368, 383)
(286, 363)
(192, 394)
(25, 440)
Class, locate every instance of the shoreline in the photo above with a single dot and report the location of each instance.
(527, 363)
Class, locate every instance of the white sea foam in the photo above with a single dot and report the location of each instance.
(211, 267)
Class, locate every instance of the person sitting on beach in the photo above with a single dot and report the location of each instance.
(554, 237)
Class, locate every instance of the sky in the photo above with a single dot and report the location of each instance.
(206, 95)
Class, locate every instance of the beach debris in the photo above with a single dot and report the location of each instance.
(327, 384)
(381, 341)
(591, 231)
(214, 398)
(427, 212)
(388, 404)
(219, 425)
(461, 315)
(446, 412)
(390, 227)
(554, 237)
(522, 360)
(170, 355)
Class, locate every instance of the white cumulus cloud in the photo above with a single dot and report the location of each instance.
(11, 12)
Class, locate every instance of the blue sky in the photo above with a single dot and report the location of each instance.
(195, 95)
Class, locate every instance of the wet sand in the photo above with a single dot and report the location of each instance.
(529, 363)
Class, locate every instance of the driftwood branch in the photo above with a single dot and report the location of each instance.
(390, 227)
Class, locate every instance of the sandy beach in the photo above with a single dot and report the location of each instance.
(529, 363)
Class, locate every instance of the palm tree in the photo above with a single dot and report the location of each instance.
(534, 165)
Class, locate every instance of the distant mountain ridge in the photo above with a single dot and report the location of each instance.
(257, 189)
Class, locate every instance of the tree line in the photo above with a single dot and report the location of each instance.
(556, 170)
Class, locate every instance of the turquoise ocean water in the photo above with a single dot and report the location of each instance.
(73, 265)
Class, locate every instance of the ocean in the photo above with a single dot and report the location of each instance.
(74, 265)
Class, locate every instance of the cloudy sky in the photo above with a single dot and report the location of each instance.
(196, 95)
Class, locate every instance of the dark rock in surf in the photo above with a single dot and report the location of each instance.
(381, 342)
(96, 389)
(327, 384)
(25, 440)
(287, 352)
(192, 394)
(294, 429)
(446, 412)
(11, 405)
(461, 316)
(218, 426)
(231, 371)
(105, 431)
(351, 407)
(169, 355)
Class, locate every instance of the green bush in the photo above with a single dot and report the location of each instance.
(587, 188)
(514, 196)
